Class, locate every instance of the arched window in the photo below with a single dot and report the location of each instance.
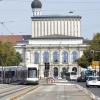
(36, 58)
(46, 57)
(74, 56)
(55, 57)
(65, 57)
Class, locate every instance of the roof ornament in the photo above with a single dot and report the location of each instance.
(36, 4)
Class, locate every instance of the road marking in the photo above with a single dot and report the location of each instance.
(69, 84)
(63, 96)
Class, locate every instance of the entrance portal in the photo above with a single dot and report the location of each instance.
(55, 72)
(63, 73)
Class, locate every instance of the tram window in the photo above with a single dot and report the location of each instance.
(32, 73)
(13, 73)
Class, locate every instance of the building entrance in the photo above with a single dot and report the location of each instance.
(55, 70)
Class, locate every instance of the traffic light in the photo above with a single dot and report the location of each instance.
(47, 65)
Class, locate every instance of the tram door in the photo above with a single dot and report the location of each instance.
(55, 72)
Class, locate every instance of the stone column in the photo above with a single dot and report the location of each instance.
(51, 62)
(60, 62)
(41, 67)
(28, 56)
(31, 57)
(69, 58)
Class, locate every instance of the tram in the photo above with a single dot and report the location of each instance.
(28, 74)
(7, 74)
(32, 74)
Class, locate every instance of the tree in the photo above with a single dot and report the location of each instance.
(8, 55)
(91, 52)
(95, 46)
(83, 62)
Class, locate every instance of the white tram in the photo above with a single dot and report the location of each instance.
(32, 74)
(28, 74)
(8, 74)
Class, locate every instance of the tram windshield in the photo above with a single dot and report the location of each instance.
(32, 72)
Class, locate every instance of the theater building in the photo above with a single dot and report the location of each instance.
(55, 40)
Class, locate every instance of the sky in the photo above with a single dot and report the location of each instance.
(15, 15)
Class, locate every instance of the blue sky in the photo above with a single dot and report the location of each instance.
(15, 14)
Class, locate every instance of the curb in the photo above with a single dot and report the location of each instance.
(90, 94)
(23, 93)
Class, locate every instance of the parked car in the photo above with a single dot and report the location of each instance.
(81, 79)
(93, 81)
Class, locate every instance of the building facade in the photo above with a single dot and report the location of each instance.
(56, 40)
(56, 25)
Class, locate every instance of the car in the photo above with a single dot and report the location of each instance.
(93, 81)
(81, 79)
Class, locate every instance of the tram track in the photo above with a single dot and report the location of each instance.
(12, 90)
(8, 88)
(2, 86)
(5, 87)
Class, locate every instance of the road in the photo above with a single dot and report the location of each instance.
(57, 91)
(60, 90)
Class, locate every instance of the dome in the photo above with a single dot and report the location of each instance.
(36, 4)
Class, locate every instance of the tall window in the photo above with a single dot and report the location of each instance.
(65, 57)
(46, 57)
(74, 56)
(55, 57)
(36, 58)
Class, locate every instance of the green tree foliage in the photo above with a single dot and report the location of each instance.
(8, 55)
(91, 53)
(95, 46)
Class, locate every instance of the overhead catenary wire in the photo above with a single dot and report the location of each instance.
(88, 7)
(5, 27)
